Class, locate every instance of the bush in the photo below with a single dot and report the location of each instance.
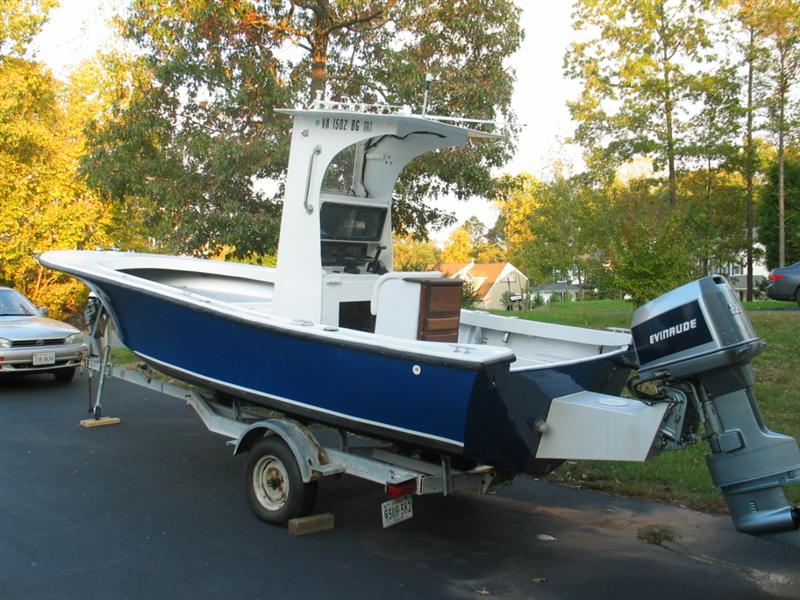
(469, 295)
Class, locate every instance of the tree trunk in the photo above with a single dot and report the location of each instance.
(781, 204)
(782, 93)
(319, 60)
(673, 179)
(749, 160)
(668, 110)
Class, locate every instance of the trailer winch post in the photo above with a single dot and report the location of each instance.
(97, 409)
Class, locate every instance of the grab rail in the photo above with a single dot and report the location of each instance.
(316, 152)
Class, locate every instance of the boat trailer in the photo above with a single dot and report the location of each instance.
(285, 458)
(693, 345)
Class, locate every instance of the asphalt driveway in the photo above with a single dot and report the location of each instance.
(155, 507)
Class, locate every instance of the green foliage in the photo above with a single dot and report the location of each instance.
(458, 248)
(262, 260)
(712, 138)
(637, 79)
(193, 125)
(767, 215)
(414, 255)
(470, 242)
(777, 25)
(713, 205)
(180, 155)
(45, 205)
(469, 295)
(650, 246)
(537, 300)
(506, 300)
(556, 228)
(20, 21)
(624, 238)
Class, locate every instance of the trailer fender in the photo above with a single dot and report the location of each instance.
(310, 456)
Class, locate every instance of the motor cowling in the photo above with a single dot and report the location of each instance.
(698, 339)
(694, 329)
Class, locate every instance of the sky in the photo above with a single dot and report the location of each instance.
(78, 28)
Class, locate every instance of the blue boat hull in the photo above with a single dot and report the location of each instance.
(483, 412)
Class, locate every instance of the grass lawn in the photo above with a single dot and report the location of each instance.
(682, 477)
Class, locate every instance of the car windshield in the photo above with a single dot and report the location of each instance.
(14, 304)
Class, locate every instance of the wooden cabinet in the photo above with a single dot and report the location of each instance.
(439, 310)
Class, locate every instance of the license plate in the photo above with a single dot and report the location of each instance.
(394, 511)
(44, 358)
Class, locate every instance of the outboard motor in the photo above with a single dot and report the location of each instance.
(694, 346)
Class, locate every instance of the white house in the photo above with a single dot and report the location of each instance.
(736, 271)
(490, 280)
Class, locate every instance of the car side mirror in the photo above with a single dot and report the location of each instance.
(44, 311)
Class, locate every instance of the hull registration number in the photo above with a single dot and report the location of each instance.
(44, 358)
(397, 510)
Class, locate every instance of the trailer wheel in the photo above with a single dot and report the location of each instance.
(275, 487)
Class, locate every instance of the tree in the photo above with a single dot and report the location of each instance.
(649, 252)
(485, 249)
(637, 78)
(20, 21)
(714, 129)
(517, 200)
(551, 228)
(45, 204)
(469, 295)
(712, 209)
(197, 127)
(744, 22)
(458, 248)
(768, 215)
(469, 242)
(413, 255)
(778, 21)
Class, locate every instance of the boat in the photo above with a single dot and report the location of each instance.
(331, 334)
(334, 336)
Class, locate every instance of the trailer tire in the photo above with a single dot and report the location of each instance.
(275, 488)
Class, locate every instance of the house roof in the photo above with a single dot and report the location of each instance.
(450, 269)
(483, 274)
(489, 271)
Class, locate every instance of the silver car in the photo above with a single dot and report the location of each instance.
(31, 343)
(784, 283)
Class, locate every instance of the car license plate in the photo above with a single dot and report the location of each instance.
(44, 358)
(394, 511)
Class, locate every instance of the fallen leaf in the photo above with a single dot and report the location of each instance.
(539, 580)
(545, 538)
(483, 592)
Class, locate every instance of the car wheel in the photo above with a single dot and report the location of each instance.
(64, 375)
(797, 295)
(275, 487)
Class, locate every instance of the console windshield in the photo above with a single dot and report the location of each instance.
(351, 223)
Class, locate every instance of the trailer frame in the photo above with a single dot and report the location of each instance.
(402, 474)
